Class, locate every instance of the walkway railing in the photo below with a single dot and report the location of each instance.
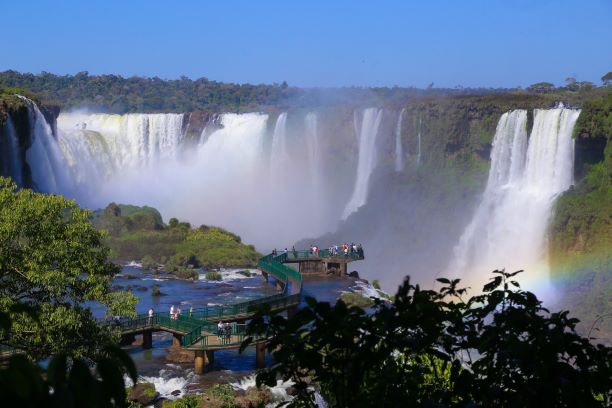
(323, 253)
(197, 326)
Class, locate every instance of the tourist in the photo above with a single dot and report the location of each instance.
(220, 328)
(285, 251)
(190, 310)
(274, 252)
(172, 312)
(177, 312)
(150, 316)
(294, 252)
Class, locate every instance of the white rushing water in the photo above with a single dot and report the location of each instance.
(279, 157)
(267, 183)
(370, 121)
(399, 150)
(508, 229)
(49, 172)
(312, 143)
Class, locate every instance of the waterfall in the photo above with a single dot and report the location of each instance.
(278, 154)
(312, 143)
(49, 173)
(399, 151)
(9, 153)
(508, 229)
(366, 161)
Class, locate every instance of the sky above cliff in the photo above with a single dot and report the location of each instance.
(503, 43)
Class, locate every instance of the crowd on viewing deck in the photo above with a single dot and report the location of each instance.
(334, 250)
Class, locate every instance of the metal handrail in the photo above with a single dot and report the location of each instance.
(198, 325)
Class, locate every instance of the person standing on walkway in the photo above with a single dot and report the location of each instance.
(172, 312)
(150, 316)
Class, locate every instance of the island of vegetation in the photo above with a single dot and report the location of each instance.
(139, 233)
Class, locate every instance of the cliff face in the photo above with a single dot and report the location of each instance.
(581, 227)
(16, 136)
(414, 218)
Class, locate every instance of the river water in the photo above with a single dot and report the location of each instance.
(229, 365)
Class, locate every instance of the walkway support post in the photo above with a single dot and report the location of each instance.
(147, 339)
(260, 354)
(200, 362)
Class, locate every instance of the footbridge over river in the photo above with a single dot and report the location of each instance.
(197, 331)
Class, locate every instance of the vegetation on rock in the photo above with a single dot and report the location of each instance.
(140, 233)
(581, 228)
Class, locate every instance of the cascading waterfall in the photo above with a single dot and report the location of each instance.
(366, 162)
(96, 147)
(279, 157)
(312, 143)
(47, 163)
(9, 150)
(399, 151)
(508, 229)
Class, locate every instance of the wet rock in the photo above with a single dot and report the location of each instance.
(176, 393)
(129, 276)
(354, 274)
(180, 355)
(246, 273)
(255, 397)
(138, 288)
(143, 393)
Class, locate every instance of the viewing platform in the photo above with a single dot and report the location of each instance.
(322, 262)
(197, 330)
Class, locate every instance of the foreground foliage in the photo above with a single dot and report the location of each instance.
(433, 348)
(52, 262)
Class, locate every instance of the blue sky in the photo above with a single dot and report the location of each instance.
(496, 43)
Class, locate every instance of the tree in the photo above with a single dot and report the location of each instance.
(541, 87)
(53, 262)
(68, 382)
(607, 79)
(433, 348)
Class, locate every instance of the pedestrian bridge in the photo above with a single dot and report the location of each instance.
(197, 330)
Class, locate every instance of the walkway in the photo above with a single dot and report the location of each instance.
(197, 331)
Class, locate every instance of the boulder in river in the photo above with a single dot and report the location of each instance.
(143, 393)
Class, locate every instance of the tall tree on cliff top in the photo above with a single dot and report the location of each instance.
(52, 261)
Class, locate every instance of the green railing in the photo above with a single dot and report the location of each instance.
(323, 253)
(234, 337)
(197, 326)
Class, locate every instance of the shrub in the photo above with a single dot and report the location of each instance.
(186, 273)
(148, 263)
(213, 275)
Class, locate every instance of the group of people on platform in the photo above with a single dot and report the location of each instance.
(334, 250)
(224, 329)
(176, 311)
